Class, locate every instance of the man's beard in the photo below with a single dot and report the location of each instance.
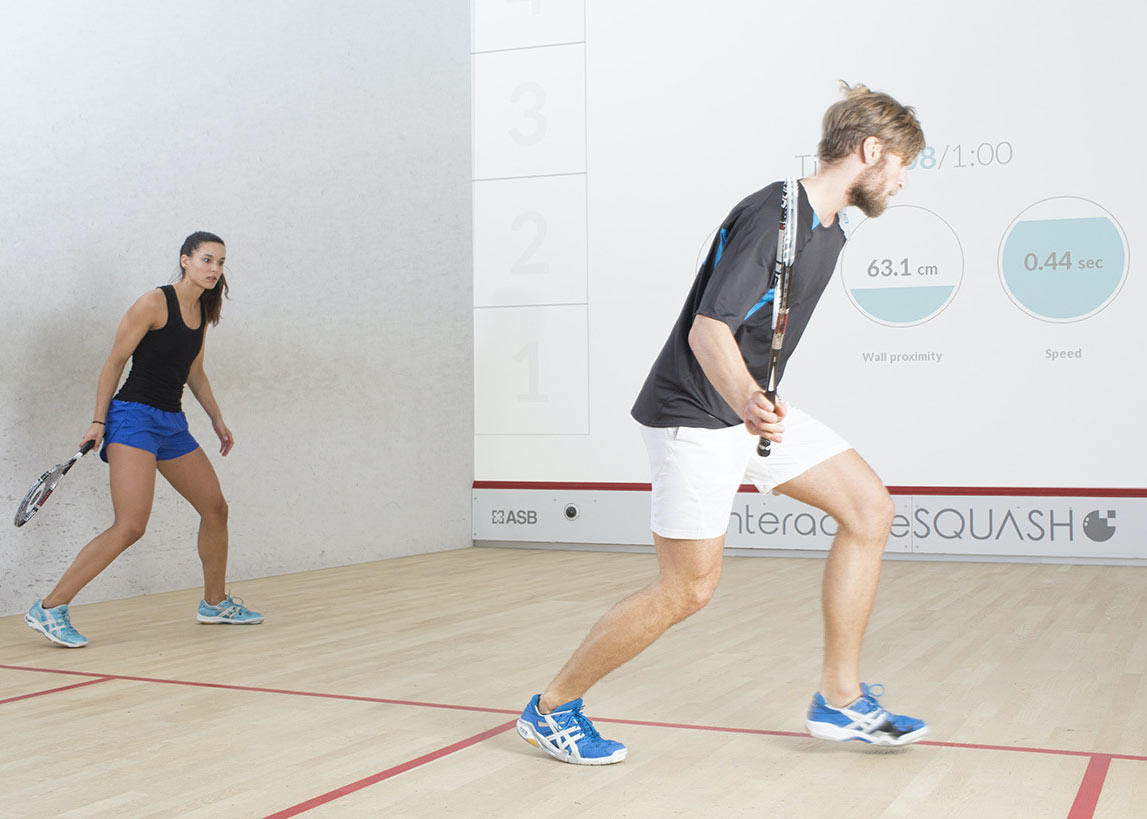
(867, 192)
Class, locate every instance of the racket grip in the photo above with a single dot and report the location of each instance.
(764, 445)
(87, 447)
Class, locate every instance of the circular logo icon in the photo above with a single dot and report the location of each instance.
(903, 268)
(1099, 526)
(1063, 259)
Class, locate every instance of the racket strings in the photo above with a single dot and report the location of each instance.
(786, 254)
(47, 483)
(38, 494)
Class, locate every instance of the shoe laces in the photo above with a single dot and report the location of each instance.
(583, 722)
(871, 695)
(231, 605)
(58, 621)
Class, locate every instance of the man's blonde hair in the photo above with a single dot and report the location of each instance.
(864, 113)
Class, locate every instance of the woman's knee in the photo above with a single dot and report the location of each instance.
(129, 531)
(215, 513)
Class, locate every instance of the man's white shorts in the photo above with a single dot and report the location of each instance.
(696, 472)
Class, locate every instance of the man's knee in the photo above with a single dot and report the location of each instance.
(883, 511)
(689, 573)
(871, 518)
(694, 595)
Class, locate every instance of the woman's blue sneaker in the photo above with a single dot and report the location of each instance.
(229, 610)
(863, 719)
(55, 624)
(568, 735)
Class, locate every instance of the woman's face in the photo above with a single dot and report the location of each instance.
(204, 266)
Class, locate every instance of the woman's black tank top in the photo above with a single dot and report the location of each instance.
(162, 359)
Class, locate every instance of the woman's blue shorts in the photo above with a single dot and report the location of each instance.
(164, 434)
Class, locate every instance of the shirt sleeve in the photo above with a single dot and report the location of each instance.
(741, 276)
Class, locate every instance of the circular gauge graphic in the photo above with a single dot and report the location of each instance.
(1063, 259)
(903, 268)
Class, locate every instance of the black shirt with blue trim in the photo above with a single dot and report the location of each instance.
(734, 286)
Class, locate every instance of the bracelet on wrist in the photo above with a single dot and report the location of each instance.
(101, 423)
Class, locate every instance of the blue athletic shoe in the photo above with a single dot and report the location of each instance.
(862, 719)
(229, 610)
(568, 735)
(55, 624)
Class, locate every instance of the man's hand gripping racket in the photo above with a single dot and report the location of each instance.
(42, 489)
(786, 255)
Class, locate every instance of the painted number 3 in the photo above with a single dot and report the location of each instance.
(536, 98)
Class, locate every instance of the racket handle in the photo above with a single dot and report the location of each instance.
(764, 445)
(84, 450)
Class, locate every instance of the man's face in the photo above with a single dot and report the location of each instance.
(877, 183)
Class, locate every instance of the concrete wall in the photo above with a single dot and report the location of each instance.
(329, 145)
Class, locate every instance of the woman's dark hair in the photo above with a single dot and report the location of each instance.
(212, 300)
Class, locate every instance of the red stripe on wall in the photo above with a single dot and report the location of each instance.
(988, 491)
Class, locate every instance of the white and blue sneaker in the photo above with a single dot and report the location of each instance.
(862, 719)
(568, 735)
(228, 610)
(55, 624)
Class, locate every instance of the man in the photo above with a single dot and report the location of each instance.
(702, 409)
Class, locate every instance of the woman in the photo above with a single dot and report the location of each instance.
(143, 429)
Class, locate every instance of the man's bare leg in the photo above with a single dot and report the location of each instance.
(846, 488)
(689, 571)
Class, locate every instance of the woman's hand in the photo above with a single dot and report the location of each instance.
(95, 433)
(226, 439)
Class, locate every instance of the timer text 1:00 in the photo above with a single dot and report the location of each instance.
(983, 154)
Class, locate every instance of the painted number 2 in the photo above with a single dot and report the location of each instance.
(524, 266)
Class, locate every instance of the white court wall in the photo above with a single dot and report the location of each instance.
(983, 335)
(329, 145)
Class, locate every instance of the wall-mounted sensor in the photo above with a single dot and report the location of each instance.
(571, 511)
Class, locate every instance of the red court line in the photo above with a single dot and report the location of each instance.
(257, 690)
(484, 710)
(987, 491)
(330, 796)
(968, 746)
(54, 690)
(1088, 795)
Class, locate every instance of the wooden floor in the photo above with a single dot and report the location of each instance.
(390, 690)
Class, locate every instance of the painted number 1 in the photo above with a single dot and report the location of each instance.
(529, 354)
